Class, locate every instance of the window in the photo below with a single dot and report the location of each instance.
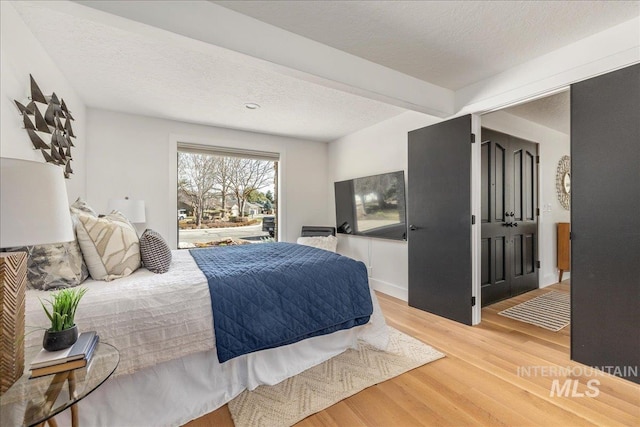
(226, 197)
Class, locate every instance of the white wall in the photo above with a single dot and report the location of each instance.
(135, 156)
(21, 55)
(553, 145)
(377, 149)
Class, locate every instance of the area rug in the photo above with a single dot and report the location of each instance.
(550, 311)
(317, 388)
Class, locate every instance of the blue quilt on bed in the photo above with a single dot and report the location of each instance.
(272, 294)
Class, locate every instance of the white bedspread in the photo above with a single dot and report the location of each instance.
(162, 324)
(150, 318)
(153, 318)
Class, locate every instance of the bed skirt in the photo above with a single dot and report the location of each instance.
(176, 392)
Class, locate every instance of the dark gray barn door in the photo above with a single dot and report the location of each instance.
(439, 214)
(605, 220)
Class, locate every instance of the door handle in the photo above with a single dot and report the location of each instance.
(413, 227)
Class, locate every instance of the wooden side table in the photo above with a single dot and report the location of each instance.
(34, 402)
(564, 248)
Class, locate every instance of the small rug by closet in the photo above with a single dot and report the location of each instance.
(550, 311)
(319, 387)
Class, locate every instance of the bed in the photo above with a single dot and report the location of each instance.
(170, 370)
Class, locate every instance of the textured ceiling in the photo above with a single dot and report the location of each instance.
(552, 111)
(448, 43)
(136, 73)
(124, 65)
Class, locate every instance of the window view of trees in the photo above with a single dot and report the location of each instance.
(224, 200)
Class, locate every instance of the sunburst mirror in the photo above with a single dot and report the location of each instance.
(563, 182)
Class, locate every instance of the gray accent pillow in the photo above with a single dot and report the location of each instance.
(154, 251)
(54, 266)
(57, 265)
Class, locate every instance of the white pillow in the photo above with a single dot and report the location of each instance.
(328, 243)
(110, 245)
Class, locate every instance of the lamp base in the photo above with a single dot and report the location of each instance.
(13, 283)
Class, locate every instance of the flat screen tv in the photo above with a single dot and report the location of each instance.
(372, 206)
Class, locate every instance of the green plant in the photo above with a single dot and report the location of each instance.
(63, 308)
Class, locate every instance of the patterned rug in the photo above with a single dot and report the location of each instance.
(550, 311)
(317, 388)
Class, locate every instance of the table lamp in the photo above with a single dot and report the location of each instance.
(34, 210)
(133, 210)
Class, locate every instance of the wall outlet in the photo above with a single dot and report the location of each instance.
(370, 271)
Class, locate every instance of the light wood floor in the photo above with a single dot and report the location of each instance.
(478, 382)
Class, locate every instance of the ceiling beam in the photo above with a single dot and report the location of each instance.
(286, 52)
(608, 50)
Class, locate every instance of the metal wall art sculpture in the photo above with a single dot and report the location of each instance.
(53, 126)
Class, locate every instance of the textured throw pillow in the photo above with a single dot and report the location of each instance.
(80, 206)
(110, 245)
(328, 243)
(54, 266)
(154, 251)
(57, 265)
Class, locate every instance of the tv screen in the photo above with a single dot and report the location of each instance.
(372, 206)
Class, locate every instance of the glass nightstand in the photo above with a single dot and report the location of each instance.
(32, 402)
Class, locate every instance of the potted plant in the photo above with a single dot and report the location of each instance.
(63, 332)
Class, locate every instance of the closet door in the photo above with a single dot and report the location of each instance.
(497, 195)
(524, 219)
(605, 220)
(509, 243)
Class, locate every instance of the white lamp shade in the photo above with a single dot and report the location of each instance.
(133, 210)
(34, 208)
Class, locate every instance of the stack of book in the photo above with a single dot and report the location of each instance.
(75, 357)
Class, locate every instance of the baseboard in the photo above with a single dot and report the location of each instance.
(389, 289)
(552, 279)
